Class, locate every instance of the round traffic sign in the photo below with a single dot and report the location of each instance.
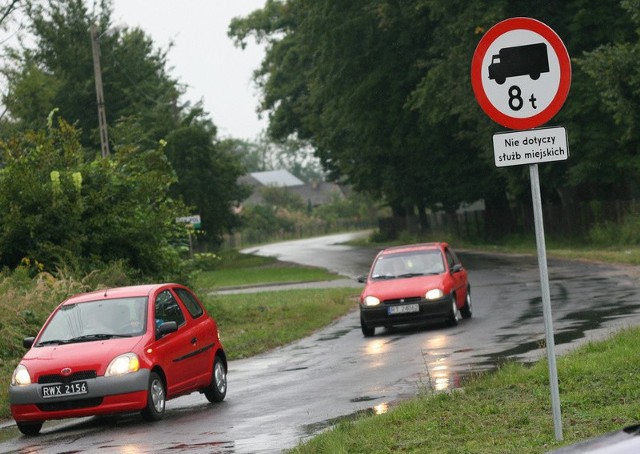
(521, 73)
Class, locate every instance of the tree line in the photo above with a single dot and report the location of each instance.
(381, 90)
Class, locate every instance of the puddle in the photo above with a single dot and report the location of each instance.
(334, 335)
(365, 399)
(293, 369)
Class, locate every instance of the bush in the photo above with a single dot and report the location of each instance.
(57, 208)
(608, 233)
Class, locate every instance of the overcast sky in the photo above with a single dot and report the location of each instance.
(203, 58)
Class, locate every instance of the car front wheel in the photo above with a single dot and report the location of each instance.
(29, 428)
(217, 389)
(467, 309)
(454, 313)
(156, 396)
(366, 330)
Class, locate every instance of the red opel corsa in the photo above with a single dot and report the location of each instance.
(415, 283)
(118, 350)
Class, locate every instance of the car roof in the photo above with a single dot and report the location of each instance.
(117, 292)
(414, 247)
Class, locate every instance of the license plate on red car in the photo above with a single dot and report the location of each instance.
(404, 309)
(65, 389)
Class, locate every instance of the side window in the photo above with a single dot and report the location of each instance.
(167, 309)
(190, 302)
(451, 260)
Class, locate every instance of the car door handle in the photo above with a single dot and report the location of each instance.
(194, 340)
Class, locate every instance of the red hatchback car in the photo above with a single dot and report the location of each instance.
(414, 283)
(118, 350)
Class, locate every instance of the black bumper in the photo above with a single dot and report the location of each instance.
(374, 316)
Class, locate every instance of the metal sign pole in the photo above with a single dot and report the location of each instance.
(546, 299)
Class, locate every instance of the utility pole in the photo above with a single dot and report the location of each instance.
(102, 117)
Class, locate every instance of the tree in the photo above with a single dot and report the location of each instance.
(613, 69)
(58, 71)
(59, 209)
(381, 90)
(207, 176)
(341, 76)
(142, 102)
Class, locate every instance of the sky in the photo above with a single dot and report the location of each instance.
(203, 58)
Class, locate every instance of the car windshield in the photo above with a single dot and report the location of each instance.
(96, 320)
(408, 264)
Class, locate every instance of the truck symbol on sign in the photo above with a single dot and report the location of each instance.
(531, 60)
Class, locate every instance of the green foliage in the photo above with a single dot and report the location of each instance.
(610, 234)
(54, 70)
(60, 210)
(382, 92)
(282, 198)
(207, 175)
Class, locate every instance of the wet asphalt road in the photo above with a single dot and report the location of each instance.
(292, 393)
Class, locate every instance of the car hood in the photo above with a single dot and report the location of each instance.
(95, 355)
(415, 286)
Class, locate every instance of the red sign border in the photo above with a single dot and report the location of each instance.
(521, 23)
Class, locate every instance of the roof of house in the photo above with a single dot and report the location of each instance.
(281, 178)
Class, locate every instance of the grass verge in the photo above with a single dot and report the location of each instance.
(242, 270)
(507, 411)
(255, 322)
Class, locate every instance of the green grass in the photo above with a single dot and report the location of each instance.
(508, 411)
(255, 322)
(246, 277)
(243, 270)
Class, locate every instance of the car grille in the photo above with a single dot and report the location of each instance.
(70, 404)
(57, 378)
(413, 299)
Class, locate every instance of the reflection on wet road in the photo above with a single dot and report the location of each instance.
(292, 393)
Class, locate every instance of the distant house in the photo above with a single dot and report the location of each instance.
(315, 193)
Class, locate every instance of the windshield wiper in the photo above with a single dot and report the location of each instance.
(53, 342)
(411, 274)
(92, 337)
(383, 276)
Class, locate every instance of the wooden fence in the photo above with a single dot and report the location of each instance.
(573, 221)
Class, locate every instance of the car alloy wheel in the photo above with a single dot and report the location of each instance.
(217, 389)
(155, 400)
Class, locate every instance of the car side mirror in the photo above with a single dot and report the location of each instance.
(166, 328)
(27, 342)
(362, 279)
(456, 268)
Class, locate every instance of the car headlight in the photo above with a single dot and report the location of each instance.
(21, 376)
(434, 294)
(123, 364)
(371, 301)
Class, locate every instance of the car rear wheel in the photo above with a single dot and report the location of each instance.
(467, 311)
(454, 314)
(217, 389)
(156, 396)
(29, 428)
(366, 330)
